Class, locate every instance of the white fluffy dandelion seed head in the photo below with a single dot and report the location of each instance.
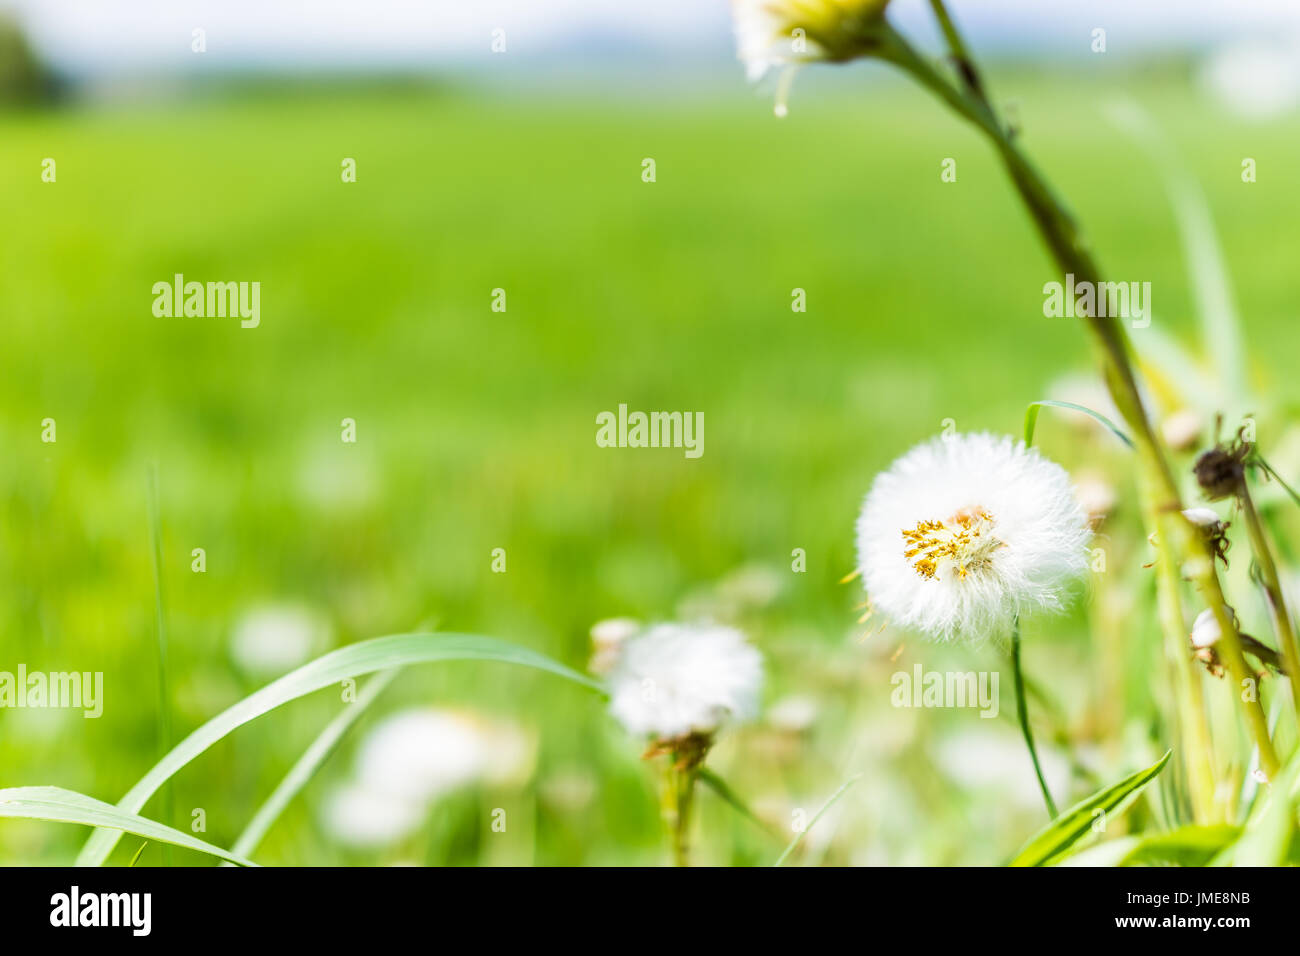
(965, 532)
(676, 679)
(783, 32)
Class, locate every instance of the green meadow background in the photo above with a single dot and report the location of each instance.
(475, 430)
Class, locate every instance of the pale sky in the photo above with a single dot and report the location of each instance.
(113, 35)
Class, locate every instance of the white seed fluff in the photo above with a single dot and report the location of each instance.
(966, 532)
(676, 679)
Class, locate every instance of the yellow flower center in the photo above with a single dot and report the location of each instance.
(963, 543)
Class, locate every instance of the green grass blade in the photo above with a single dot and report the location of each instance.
(1278, 478)
(1267, 835)
(312, 759)
(160, 633)
(1054, 840)
(1031, 419)
(366, 657)
(798, 837)
(730, 797)
(136, 859)
(67, 806)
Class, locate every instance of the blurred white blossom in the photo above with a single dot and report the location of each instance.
(271, 639)
(677, 679)
(413, 758)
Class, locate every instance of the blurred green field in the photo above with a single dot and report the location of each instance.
(476, 428)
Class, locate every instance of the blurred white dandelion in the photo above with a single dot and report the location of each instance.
(271, 639)
(414, 758)
(677, 679)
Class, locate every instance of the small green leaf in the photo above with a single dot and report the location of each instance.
(729, 796)
(1052, 842)
(1031, 419)
(67, 806)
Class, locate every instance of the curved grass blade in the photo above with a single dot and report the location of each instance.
(729, 796)
(366, 657)
(1192, 845)
(1031, 419)
(136, 859)
(1267, 836)
(67, 806)
(1268, 469)
(321, 749)
(1054, 840)
(798, 837)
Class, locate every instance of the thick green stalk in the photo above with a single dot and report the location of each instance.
(677, 801)
(1268, 578)
(1198, 752)
(1064, 240)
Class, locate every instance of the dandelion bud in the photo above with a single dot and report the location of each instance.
(1201, 517)
(1206, 631)
(1214, 530)
(1221, 471)
(793, 32)
(770, 32)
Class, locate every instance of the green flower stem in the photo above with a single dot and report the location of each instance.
(1277, 608)
(1194, 730)
(1065, 241)
(1022, 714)
(961, 56)
(677, 802)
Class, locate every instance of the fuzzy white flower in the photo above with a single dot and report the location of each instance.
(360, 817)
(676, 679)
(413, 758)
(274, 638)
(790, 32)
(423, 753)
(966, 532)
